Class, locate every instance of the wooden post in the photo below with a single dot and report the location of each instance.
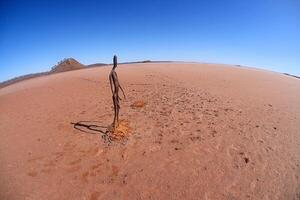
(115, 86)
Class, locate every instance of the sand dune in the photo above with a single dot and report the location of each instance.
(202, 131)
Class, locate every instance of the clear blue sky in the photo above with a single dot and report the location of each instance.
(35, 35)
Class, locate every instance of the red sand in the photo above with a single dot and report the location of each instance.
(206, 132)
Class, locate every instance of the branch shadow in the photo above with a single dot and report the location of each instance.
(90, 127)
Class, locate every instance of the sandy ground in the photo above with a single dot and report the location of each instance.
(206, 131)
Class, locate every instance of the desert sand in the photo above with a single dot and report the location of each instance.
(198, 131)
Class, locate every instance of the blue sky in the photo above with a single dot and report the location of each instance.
(35, 35)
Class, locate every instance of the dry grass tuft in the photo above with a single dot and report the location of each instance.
(121, 131)
(138, 104)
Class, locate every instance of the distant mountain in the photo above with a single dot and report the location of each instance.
(292, 75)
(22, 78)
(67, 64)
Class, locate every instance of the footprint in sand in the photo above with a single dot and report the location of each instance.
(238, 156)
(46, 170)
(32, 173)
(115, 170)
(94, 195)
(34, 159)
(73, 168)
(84, 177)
(75, 162)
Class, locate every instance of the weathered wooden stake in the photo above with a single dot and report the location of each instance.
(115, 85)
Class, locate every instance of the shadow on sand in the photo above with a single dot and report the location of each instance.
(90, 127)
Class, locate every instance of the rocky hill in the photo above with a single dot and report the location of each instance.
(67, 64)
